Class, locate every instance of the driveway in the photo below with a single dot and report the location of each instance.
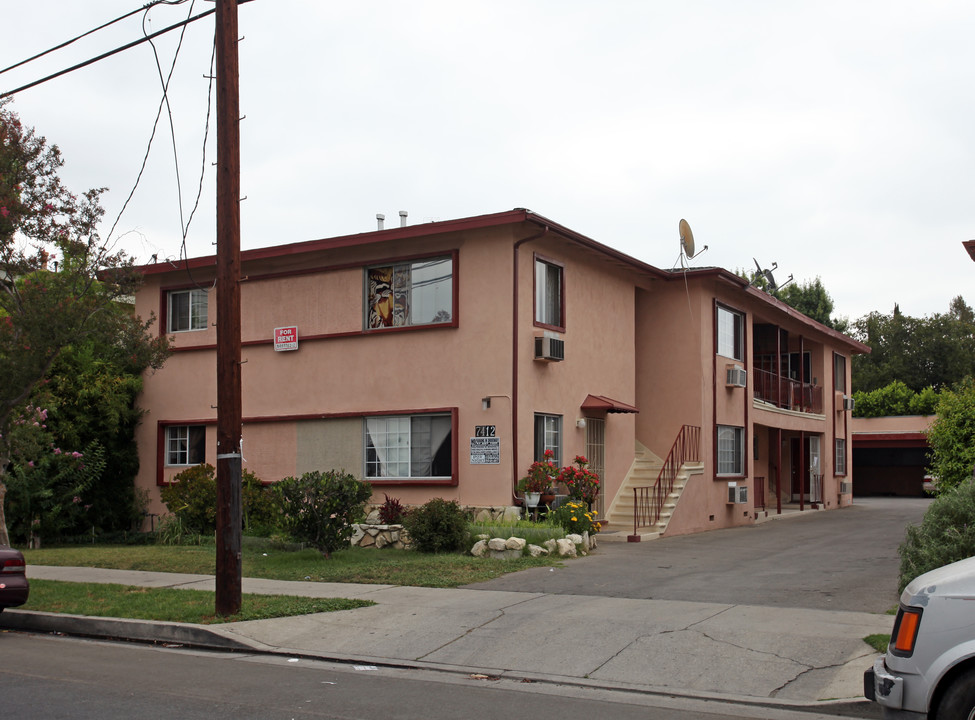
(844, 559)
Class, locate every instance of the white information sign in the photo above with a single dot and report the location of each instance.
(485, 451)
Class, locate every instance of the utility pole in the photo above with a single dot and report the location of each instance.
(229, 420)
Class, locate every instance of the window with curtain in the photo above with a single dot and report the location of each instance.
(731, 331)
(548, 294)
(548, 436)
(731, 450)
(408, 446)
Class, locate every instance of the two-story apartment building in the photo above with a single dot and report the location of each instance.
(441, 359)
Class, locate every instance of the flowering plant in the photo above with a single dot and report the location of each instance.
(540, 474)
(575, 517)
(581, 482)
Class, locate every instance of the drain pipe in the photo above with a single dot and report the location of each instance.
(514, 362)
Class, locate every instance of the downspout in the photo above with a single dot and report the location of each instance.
(514, 362)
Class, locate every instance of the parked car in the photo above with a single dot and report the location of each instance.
(14, 587)
(929, 668)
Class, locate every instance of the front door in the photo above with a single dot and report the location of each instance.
(806, 478)
(596, 454)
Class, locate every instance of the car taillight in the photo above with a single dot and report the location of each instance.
(14, 566)
(905, 631)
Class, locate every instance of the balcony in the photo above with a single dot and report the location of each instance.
(785, 393)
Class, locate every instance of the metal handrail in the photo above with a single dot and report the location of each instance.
(649, 501)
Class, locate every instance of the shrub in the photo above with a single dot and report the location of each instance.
(946, 534)
(391, 512)
(319, 509)
(437, 526)
(576, 518)
(192, 497)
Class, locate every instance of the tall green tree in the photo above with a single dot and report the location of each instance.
(59, 283)
(809, 297)
(935, 351)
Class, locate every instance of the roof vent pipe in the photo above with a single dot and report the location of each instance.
(379, 220)
(402, 218)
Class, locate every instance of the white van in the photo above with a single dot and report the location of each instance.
(929, 668)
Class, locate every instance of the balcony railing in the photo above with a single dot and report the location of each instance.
(786, 393)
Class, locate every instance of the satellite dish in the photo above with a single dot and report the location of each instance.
(686, 238)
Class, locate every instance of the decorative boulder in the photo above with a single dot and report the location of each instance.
(515, 543)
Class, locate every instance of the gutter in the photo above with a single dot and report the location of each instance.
(515, 345)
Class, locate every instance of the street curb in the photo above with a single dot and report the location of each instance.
(202, 637)
(118, 629)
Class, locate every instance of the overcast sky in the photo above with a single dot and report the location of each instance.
(833, 138)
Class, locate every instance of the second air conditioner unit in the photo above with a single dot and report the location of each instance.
(737, 376)
(737, 494)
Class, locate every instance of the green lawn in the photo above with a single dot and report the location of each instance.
(167, 604)
(261, 559)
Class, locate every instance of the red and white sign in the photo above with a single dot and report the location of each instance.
(285, 338)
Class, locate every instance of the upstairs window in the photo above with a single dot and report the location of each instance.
(186, 444)
(408, 446)
(731, 333)
(186, 310)
(549, 294)
(839, 373)
(420, 292)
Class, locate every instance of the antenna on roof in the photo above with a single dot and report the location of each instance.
(770, 286)
(687, 244)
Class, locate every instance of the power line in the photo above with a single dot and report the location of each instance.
(108, 54)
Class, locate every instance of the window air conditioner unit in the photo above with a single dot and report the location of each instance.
(846, 488)
(737, 494)
(549, 349)
(848, 402)
(737, 376)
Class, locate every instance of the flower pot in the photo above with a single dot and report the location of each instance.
(531, 499)
(547, 499)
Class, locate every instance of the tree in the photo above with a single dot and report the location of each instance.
(935, 351)
(43, 311)
(809, 297)
(952, 436)
(894, 399)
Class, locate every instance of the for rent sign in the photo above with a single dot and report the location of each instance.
(285, 338)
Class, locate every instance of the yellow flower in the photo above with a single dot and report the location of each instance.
(573, 518)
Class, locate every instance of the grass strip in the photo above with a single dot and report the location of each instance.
(878, 642)
(264, 560)
(169, 604)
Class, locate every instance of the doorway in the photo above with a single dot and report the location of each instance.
(596, 453)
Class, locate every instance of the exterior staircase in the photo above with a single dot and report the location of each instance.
(643, 473)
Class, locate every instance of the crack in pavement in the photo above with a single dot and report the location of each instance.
(500, 614)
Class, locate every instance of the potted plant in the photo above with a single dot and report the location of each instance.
(580, 482)
(539, 479)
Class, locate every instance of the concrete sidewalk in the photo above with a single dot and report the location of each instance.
(787, 657)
